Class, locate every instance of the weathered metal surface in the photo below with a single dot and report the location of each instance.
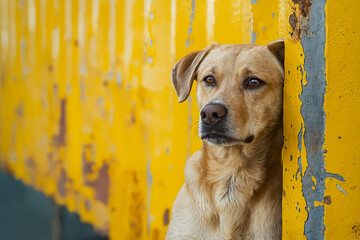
(89, 116)
(88, 113)
(320, 174)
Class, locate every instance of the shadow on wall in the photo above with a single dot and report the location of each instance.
(28, 214)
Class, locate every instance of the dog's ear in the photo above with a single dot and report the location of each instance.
(184, 72)
(278, 49)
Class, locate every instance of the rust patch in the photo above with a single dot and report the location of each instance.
(59, 140)
(50, 68)
(101, 184)
(293, 20)
(135, 178)
(136, 207)
(296, 27)
(87, 204)
(304, 6)
(4, 166)
(31, 169)
(20, 109)
(87, 159)
(166, 217)
(300, 23)
(356, 230)
(62, 183)
(76, 43)
(132, 225)
(132, 118)
(29, 162)
(52, 162)
(327, 200)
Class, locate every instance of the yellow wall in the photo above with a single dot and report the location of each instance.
(89, 115)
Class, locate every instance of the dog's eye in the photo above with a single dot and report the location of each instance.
(210, 80)
(254, 82)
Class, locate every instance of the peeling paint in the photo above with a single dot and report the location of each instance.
(299, 170)
(101, 184)
(190, 29)
(20, 109)
(61, 186)
(312, 111)
(60, 138)
(304, 6)
(340, 188)
(166, 217)
(118, 79)
(149, 182)
(253, 37)
(210, 21)
(55, 42)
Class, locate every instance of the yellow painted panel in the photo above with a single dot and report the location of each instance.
(342, 211)
(89, 115)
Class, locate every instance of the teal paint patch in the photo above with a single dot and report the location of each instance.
(28, 214)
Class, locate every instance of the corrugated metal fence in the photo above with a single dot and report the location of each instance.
(89, 115)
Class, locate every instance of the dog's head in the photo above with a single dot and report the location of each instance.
(239, 90)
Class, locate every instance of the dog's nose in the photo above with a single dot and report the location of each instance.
(212, 114)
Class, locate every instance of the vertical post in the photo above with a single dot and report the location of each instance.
(321, 173)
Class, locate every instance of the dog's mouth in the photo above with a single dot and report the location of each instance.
(222, 139)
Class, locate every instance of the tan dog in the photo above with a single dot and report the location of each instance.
(233, 185)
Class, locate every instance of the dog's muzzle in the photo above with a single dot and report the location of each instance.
(215, 126)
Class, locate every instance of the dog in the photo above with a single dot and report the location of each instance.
(233, 185)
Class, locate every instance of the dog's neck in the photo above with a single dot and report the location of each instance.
(249, 161)
(235, 175)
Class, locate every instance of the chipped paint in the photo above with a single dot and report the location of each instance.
(55, 47)
(166, 217)
(101, 184)
(340, 188)
(149, 183)
(59, 139)
(192, 16)
(210, 21)
(299, 139)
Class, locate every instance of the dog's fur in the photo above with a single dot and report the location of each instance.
(233, 185)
